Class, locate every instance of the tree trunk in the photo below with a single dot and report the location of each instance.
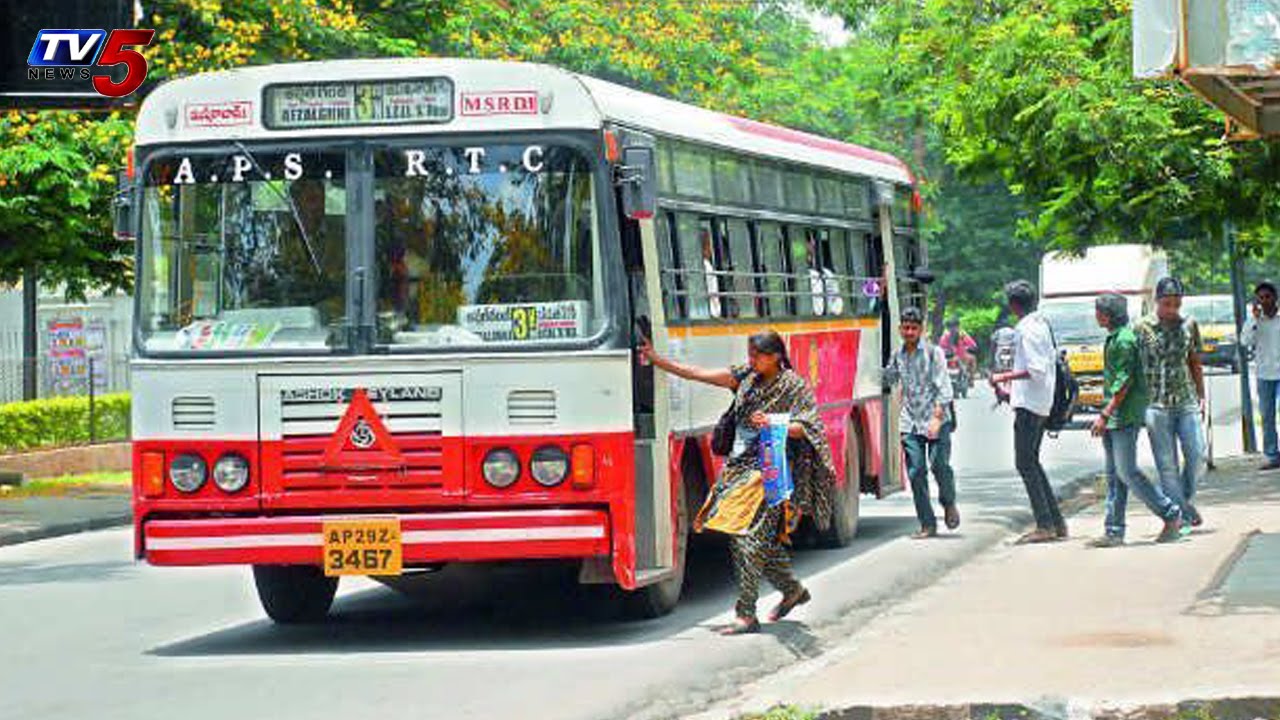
(938, 314)
(30, 296)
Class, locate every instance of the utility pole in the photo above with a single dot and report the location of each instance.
(1237, 303)
(30, 296)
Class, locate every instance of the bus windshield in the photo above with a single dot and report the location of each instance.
(467, 246)
(477, 245)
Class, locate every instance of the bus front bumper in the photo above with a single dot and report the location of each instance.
(426, 538)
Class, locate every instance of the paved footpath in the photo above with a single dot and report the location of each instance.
(23, 519)
(1067, 626)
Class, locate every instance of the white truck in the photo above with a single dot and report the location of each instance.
(1069, 286)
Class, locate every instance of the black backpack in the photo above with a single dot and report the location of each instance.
(1066, 391)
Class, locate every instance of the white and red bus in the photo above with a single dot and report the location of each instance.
(387, 310)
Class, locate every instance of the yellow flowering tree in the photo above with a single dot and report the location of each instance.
(57, 177)
(57, 168)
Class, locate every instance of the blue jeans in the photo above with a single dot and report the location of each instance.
(1268, 390)
(939, 459)
(1123, 475)
(1173, 433)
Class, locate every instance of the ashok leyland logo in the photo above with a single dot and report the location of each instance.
(69, 55)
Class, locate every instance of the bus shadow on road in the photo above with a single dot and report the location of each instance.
(509, 607)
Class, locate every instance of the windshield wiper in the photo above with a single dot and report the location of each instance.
(293, 208)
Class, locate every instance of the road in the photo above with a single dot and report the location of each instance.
(88, 632)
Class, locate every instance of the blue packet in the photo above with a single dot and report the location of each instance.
(773, 460)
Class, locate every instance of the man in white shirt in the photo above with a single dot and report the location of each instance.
(1032, 382)
(711, 276)
(1261, 334)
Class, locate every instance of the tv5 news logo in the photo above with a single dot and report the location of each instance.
(69, 54)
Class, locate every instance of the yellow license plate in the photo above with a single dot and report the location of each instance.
(1209, 347)
(362, 547)
(1085, 362)
(1091, 399)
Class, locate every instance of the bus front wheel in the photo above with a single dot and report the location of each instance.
(292, 594)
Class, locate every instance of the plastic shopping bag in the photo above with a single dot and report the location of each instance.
(773, 460)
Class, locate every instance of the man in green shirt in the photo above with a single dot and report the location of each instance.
(1125, 389)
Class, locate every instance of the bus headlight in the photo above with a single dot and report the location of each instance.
(188, 472)
(549, 466)
(501, 468)
(231, 473)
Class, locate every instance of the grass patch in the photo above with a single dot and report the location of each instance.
(783, 712)
(69, 485)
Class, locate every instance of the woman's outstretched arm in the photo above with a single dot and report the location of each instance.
(720, 377)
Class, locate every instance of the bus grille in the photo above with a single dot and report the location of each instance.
(308, 431)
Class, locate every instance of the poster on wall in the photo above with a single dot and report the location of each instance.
(95, 350)
(68, 367)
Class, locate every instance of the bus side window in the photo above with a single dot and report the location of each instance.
(833, 285)
(697, 256)
(806, 276)
(773, 261)
(906, 257)
(674, 299)
(854, 265)
(743, 267)
(875, 266)
(720, 280)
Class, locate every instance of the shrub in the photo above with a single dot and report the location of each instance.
(56, 422)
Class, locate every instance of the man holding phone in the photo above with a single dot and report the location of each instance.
(1261, 334)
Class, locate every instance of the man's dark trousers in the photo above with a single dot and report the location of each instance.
(1028, 432)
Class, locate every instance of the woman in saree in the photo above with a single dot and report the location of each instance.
(736, 506)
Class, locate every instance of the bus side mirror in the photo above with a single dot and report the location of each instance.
(122, 209)
(922, 275)
(636, 177)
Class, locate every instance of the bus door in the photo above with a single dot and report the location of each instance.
(653, 499)
(891, 479)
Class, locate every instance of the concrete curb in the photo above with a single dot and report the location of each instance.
(1223, 709)
(45, 532)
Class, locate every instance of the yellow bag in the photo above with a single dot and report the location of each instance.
(735, 510)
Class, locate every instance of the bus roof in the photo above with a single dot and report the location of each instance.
(488, 96)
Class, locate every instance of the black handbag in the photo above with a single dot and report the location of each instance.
(726, 429)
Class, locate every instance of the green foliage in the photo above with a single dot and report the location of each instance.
(1040, 96)
(56, 184)
(56, 168)
(980, 323)
(57, 422)
(974, 245)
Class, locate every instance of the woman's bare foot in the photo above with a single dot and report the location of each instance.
(741, 626)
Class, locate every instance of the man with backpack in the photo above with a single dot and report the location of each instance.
(1033, 381)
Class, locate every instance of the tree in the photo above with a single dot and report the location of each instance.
(57, 177)
(1040, 95)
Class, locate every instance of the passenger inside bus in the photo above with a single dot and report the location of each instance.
(709, 272)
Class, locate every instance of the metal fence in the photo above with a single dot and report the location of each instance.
(69, 375)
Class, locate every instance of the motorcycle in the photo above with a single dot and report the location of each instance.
(1003, 358)
(958, 372)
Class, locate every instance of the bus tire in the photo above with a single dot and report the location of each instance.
(844, 513)
(292, 594)
(660, 598)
